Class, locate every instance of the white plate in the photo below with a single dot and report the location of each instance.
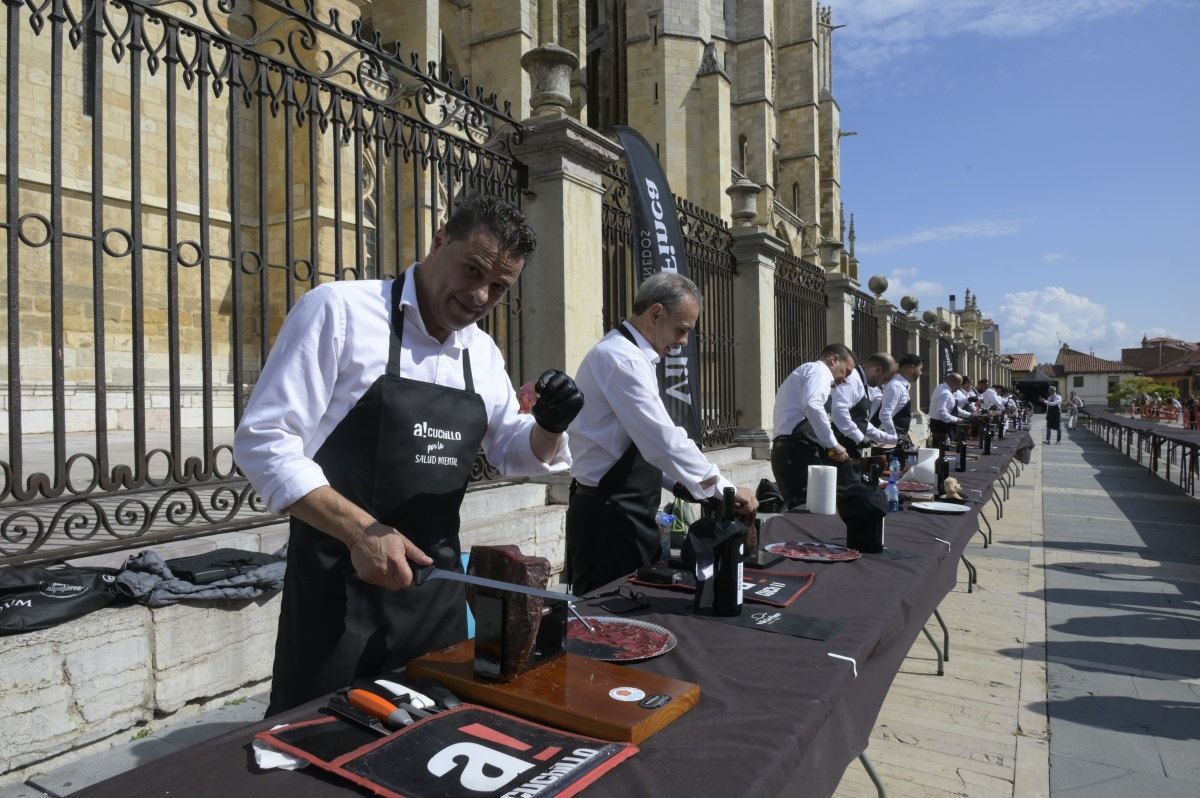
(941, 507)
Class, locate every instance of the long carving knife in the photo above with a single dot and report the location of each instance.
(423, 575)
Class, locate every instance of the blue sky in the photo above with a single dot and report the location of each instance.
(1043, 153)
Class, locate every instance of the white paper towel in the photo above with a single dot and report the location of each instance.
(923, 470)
(822, 490)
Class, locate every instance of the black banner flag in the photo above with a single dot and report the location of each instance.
(947, 356)
(658, 246)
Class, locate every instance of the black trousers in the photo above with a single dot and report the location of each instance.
(791, 456)
(1053, 423)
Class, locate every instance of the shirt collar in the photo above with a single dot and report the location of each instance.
(408, 299)
(902, 379)
(643, 344)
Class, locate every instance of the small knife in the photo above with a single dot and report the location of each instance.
(423, 575)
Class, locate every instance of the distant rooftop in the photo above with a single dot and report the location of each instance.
(1022, 361)
(1072, 361)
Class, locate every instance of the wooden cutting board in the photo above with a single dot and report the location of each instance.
(569, 692)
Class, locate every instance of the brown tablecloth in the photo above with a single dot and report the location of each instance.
(777, 715)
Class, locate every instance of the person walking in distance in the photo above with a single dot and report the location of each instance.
(1053, 404)
(1074, 405)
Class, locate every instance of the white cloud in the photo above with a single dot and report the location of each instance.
(904, 282)
(946, 232)
(1037, 321)
(878, 31)
(1057, 258)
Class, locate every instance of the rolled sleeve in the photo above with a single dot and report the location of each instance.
(842, 400)
(290, 399)
(506, 442)
(635, 401)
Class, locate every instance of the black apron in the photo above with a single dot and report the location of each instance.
(792, 454)
(1053, 415)
(403, 453)
(850, 471)
(901, 419)
(611, 530)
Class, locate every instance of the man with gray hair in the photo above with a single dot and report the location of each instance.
(624, 445)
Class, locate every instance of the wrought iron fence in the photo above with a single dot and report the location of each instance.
(177, 173)
(800, 306)
(926, 374)
(864, 325)
(899, 336)
(712, 268)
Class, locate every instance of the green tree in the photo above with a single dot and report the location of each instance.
(1131, 390)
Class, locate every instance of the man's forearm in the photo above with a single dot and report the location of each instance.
(332, 513)
(544, 443)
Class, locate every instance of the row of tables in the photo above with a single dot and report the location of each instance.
(1138, 436)
(778, 715)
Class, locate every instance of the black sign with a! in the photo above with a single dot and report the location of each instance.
(469, 752)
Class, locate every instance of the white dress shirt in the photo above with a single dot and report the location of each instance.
(846, 396)
(896, 393)
(1054, 401)
(332, 347)
(803, 395)
(989, 400)
(943, 405)
(622, 405)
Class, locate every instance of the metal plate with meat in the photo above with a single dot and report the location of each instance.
(618, 639)
(808, 551)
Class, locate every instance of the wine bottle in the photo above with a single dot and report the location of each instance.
(987, 439)
(727, 590)
(939, 468)
(962, 456)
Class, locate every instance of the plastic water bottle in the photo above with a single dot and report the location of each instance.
(665, 522)
(893, 494)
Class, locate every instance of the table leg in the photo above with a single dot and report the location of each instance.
(941, 671)
(972, 574)
(945, 636)
(870, 768)
(988, 524)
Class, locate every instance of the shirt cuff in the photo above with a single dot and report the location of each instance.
(522, 462)
(292, 485)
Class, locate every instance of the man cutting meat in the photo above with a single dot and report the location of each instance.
(851, 413)
(895, 411)
(625, 446)
(803, 434)
(363, 427)
(944, 412)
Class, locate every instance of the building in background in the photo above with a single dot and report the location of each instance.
(1156, 352)
(1183, 374)
(1089, 376)
(1022, 364)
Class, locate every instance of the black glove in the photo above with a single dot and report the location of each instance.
(559, 401)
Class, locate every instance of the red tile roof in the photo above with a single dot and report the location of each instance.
(1076, 362)
(1022, 361)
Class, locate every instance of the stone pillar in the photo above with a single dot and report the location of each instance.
(839, 316)
(562, 286)
(884, 311)
(912, 331)
(754, 252)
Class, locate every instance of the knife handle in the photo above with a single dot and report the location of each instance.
(421, 574)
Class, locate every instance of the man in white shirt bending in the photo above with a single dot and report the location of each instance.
(625, 446)
(803, 434)
(895, 412)
(944, 412)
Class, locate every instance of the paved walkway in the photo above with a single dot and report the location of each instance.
(1123, 589)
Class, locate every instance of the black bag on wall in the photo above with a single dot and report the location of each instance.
(38, 598)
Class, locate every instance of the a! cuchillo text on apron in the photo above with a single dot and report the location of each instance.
(434, 440)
